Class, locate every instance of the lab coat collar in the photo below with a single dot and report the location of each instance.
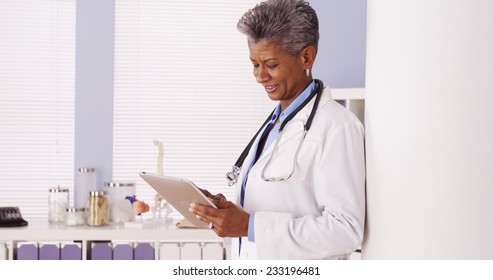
(294, 129)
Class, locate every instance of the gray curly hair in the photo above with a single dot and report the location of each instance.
(291, 23)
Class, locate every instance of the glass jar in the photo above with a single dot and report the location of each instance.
(119, 190)
(57, 203)
(75, 216)
(120, 208)
(85, 182)
(98, 207)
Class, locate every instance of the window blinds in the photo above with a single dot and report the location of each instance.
(37, 56)
(183, 77)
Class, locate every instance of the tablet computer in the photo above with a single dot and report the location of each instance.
(180, 193)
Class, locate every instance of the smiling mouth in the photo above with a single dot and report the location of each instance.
(270, 89)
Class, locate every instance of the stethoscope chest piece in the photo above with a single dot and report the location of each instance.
(233, 175)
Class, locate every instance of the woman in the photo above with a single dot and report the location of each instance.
(298, 196)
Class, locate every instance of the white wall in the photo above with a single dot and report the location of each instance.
(429, 128)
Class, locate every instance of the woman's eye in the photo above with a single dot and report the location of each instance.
(255, 66)
(272, 66)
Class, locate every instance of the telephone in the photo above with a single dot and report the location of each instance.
(11, 217)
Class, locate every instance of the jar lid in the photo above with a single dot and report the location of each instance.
(73, 209)
(119, 184)
(83, 170)
(97, 193)
(58, 189)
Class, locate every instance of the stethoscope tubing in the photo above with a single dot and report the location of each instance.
(232, 176)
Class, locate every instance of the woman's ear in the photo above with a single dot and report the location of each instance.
(308, 56)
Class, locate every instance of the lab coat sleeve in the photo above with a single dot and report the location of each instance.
(338, 183)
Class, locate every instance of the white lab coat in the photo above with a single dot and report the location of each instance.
(319, 212)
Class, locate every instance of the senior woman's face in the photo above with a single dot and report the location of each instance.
(282, 74)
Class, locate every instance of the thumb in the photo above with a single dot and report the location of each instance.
(220, 197)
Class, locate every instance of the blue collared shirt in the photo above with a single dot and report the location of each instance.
(271, 137)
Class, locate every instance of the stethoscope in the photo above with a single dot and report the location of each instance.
(233, 175)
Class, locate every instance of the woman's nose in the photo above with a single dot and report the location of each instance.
(261, 75)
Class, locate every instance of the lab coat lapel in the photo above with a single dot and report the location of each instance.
(295, 129)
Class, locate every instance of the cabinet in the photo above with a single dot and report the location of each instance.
(351, 98)
(53, 241)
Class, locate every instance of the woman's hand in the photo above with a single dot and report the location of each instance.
(217, 197)
(228, 220)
